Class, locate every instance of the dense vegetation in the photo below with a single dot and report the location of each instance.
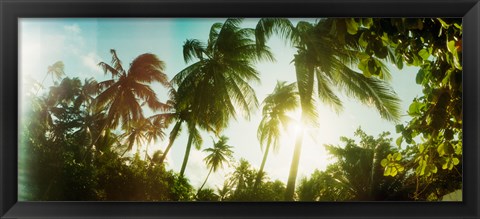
(82, 137)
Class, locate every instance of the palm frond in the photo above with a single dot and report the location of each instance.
(268, 26)
(193, 49)
(57, 69)
(373, 92)
(326, 94)
(148, 68)
(107, 68)
(117, 64)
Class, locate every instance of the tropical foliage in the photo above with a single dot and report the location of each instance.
(82, 139)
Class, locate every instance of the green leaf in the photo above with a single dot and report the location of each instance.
(451, 46)
(443, 23)
(397, 156)
(456, 61)
(445, 165)
(371, 66)
(458, 148)
(424, 54)
(433, 169)
(421, 168)
(388, 171)
(367, 22)
(362, 41)
(384, 162)
(420, 76)
(448, 74)
(352, 26)
(399, 128)
(399, 141)
(415, 108)
(362, 65)
(399, 62)
(393, 171)
(441, 149)
(399, 167)
(455, 161)
(458, 26)
(421, 148)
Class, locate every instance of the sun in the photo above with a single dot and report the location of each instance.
(295, 128)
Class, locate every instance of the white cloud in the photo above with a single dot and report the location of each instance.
(91, 61)
(196, 169)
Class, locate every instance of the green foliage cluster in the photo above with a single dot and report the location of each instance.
(358, 173)
(240, 185)
(60, 165)
(434, 134)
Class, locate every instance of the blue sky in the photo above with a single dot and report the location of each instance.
(82, 43)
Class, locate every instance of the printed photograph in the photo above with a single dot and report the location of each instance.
(240, 109)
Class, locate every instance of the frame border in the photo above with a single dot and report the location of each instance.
(11, 10)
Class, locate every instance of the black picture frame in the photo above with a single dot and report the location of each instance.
(11, 10)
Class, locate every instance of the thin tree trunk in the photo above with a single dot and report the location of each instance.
(289, 192)
(173, 136)
(146, 152)
(187, 154)
(260, 172)
(304, 72)
(41, 85)
(211, 168)
(89, 149)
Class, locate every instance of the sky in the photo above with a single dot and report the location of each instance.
(81, 43)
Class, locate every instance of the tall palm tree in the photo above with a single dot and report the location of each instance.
(275, 119)
(216, 86)
(220, 153)
(323, 59)
(180, 113)
(124, 95)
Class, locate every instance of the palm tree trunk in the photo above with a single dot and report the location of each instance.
(173, 136)
(260, 172)
(211, 168)
(89, 149)
(41, 85)
(294, 167)
(187, 153)
(146, 152)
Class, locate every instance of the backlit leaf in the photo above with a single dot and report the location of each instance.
(424, 54)
(399, 141)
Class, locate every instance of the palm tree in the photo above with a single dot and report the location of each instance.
(57, 70)
(322, 58)
(218, 154)
(155, 159)
(142, 131)
(216, 87)
(124, 95)
(178, 112)
(275, 119)
(243, 178)
(87, 93)
(359, 169)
